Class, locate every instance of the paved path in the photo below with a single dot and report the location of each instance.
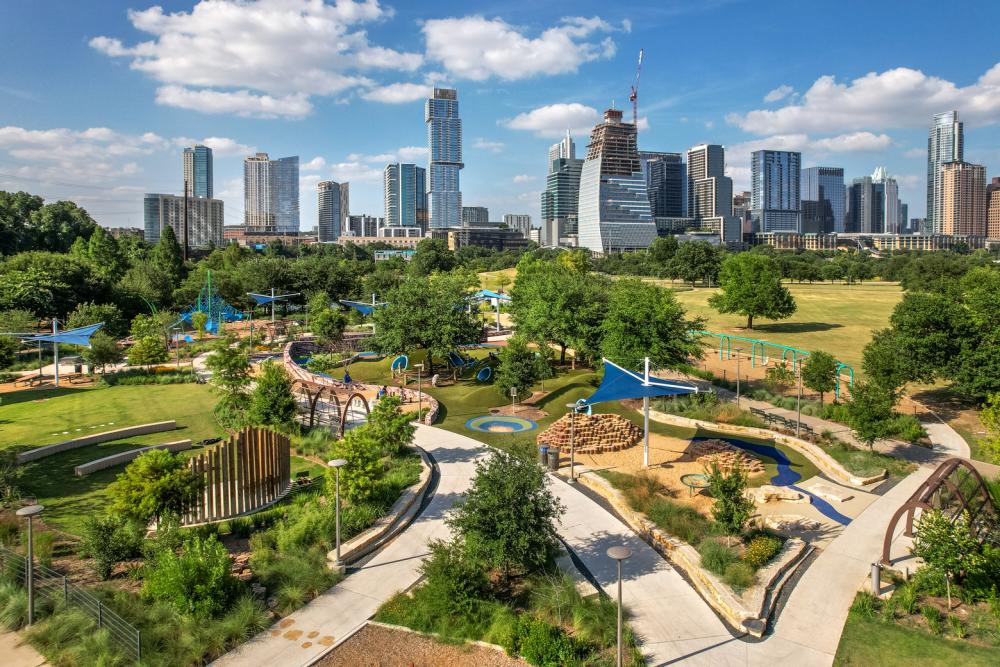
(946, 440)
(304, 636)
(17, 652)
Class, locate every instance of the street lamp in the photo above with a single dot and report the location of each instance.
(30, 511)
(619, 554)
(177, 346)
(420, 394)
(337, 464)
(513, 400)
(738, 350)
(572, 442)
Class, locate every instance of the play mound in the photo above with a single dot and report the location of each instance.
(595, 433)
(724, 455)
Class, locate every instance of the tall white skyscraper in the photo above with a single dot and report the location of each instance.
(198, 171)
(271, 194)
(945, 143)
(444, 139)
(564, 149)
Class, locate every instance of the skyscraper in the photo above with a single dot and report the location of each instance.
(363, 225)
(564, 149)
(665, 179)
(560, 200)
(334, 207)
(205, 219)
(444, 138)
(474, 216)
(405, 195)
(198, 171)
(824, 185)
(614, 214)
(887, 201)
(993, 209)
(271, 194)
(706, 199)
(775, 190)
(519, 221)
(945, 143)
(962, 207)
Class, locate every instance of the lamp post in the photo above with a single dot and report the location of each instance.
(420, 394)
(738, 350)
(30, 511)
(337, 464)
(177, 346)
(798, 400)
(619, 554)
(513, 400)
(572, 442)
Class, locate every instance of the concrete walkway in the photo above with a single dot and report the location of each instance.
(17, 652)
(947, 441)
(304, 636)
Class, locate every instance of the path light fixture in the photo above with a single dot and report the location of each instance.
(420, 393)
(337, 464)
(30, 511)
(513, 400)
(619, 553)
(572, 442)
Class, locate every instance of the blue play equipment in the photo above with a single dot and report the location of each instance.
(458, 361)
(484, 374)
(213, 305)
(400, 363)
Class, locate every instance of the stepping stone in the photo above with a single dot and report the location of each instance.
(830, 493)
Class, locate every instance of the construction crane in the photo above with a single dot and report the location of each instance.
(634, 95)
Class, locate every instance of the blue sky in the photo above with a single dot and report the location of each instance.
(97, 99)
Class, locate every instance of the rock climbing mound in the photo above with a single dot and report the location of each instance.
(593, 433)
(725, 456)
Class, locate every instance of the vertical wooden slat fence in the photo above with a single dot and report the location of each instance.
(250, 470)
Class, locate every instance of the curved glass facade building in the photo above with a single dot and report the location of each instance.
(444, 139)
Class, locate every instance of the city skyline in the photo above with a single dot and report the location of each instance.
(123, 118)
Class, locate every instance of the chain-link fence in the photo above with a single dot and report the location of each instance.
(51, 584)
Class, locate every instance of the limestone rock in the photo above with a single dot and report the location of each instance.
(770, 494)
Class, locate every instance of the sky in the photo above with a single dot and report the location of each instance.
(98, 99)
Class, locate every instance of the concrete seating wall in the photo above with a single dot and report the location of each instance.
(125, 457)
(95, 438)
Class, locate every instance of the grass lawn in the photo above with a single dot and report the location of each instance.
(494, 280)
(836, 318)
(870, 641)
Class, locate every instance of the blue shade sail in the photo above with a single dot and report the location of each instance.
(619, 384)
(363, 307)
(78, 336)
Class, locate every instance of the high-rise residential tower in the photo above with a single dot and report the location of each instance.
(614, 214)
(665, 181)
(271, 194)
(825, 186)
(945, 143)
(205, 219)
(963, 199)
(475, 216)
(405, 195)
(564, 149)
(198, 171)
(334, 207)
(887, 197)
(708, 198)
(775, 190)
(519, 221)
(993, 209)
(560, 200)
(444, 138)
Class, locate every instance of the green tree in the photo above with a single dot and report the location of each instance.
(870, 411)
(328, 326)
(431, 256)
(883, 362)
(694, 261)
(9, 347)
(390, 425)
(507, 519)
(645, 320)
(948, 547)
(18, 321)
(662, 252)
(48, 283)
(154, 484)
(230, 368)
(146, 351)
(819, 372)
(271, 401)
(196, 582)
(751, 286)
(359, 477)
(831, 271)
(103, 350)
(779, 377)
(16, 233)
(104, 254)
(732, 508)
(519, 368)
(990, 416)
(199, 320)
(92, 313)
(54, 227)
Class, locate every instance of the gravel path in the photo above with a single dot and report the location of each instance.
(376, 646)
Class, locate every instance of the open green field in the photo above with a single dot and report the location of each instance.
(870, 641)
(836, 318)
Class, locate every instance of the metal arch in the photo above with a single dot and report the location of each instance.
(729, 346)
(347, 407)
(850, 382)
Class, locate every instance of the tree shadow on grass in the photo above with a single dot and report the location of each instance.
(797, 327)
(27, 395)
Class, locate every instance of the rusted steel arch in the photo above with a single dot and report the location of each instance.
(927, 498)
(347, 407)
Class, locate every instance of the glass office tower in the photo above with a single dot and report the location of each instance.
(775, 190)
(444, 138)
(825, 186)
(405, 195)
(198, 171)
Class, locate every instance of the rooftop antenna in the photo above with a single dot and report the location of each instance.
(634, 94)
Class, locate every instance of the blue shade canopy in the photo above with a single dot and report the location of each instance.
(619, 384)
(490, 294)
(362, 307)
(263, 299)
(78, 336)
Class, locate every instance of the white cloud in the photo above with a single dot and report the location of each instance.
(852, 143)
(260, 58)
(896, 98)
(779, 93)
(62, 147)
(915, 153)
(553, 120)
(355, 172)
(477, 48)
(398, 93)
(221, 146)
(523, 178)
(403, 154)
(314, 164)
(487, 145)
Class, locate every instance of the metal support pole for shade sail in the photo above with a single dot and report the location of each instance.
(55, 347)
(645, 418)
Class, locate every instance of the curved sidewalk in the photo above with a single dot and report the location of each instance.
(304, 636)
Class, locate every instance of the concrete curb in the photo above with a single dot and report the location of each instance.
(95, 438)
(125, 457)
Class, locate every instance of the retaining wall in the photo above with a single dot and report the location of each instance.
(95, 438)
(125, 457)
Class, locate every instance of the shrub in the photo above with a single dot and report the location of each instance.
(956, 628)
(324, 362)
(109, 540)
(732, 509)
(362, 451)
(865, 604)
(739, 576)
(679, 520)
(44, 543)
(933, 617)
(271, 401)
(154, 484)
(196, 582)
(542, 644)
(761, 550)
(906, 598)
(10, 530)
(390, 425)
(454, 581)
(716, 557)
(138, 376)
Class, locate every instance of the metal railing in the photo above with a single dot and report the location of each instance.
(57, 587)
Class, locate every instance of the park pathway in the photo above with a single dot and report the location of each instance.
(17, 652)
(304, 636)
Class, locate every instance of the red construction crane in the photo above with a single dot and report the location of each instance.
(634, 95)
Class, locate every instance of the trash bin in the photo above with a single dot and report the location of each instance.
(553, 458)
(543, 454)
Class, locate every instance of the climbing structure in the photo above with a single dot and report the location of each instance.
(213, 305)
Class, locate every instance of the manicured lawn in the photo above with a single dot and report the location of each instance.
(836, 318)
(869, 641)
(494, 280)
